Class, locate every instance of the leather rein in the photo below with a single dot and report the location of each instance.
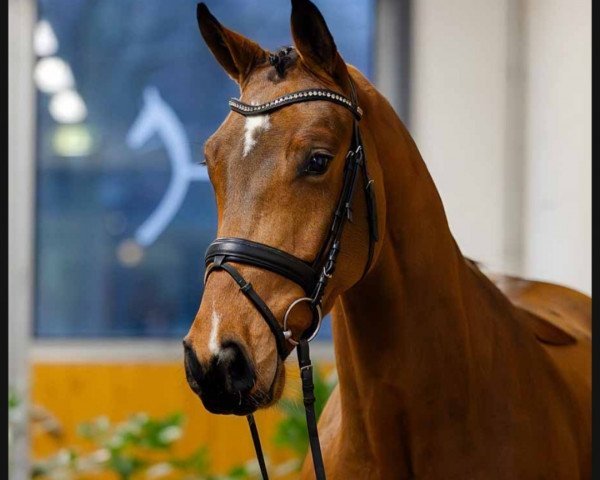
(311, 277)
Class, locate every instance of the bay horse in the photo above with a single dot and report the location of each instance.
(444, 372)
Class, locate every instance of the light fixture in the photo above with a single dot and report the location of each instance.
(44, 40)
(53, 74)
(72, 141)
(130, 253)
(67, 106)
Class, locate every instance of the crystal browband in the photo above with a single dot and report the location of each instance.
(296, 97)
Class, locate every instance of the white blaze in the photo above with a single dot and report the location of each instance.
(213, 342)
(254, 125)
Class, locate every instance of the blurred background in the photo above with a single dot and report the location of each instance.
(110, 213)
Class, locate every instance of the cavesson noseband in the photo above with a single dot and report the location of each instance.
(313, 276)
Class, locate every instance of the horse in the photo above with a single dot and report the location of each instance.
(157, 117)
(444, 371)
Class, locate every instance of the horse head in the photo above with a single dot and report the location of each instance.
(277, 179)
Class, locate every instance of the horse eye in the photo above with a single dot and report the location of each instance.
(317, 164)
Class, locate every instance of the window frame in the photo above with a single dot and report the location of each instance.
(390, 68)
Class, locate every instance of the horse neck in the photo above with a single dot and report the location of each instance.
(416, 281)
(418, 323)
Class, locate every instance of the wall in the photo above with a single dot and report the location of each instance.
(558, 150)
(458, 115)
(21, 170)
(501, 111)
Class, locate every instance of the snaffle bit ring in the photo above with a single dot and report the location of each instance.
(287, 333)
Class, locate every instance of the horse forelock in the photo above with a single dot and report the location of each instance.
(282, 59)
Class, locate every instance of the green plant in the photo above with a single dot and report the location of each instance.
(13, 405)
(13, 420)
(141, 446)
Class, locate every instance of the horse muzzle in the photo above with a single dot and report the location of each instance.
(226, 383)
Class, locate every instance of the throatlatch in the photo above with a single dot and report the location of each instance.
(312, 277)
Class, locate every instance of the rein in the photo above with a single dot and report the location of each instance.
(311, 277)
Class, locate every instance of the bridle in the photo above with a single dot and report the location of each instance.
(311, 276)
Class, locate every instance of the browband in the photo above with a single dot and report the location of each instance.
(301, 96)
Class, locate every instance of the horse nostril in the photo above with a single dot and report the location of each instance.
(193, 370)
(235, 367)
(222, 383)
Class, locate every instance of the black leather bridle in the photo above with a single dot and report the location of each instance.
(312, 277)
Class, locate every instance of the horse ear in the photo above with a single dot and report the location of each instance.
(314, 41)
(236, 54)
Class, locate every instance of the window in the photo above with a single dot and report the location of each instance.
(128, 93)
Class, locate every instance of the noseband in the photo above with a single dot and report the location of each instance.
(313, 276)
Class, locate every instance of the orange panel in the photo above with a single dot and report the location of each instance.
(75, 393)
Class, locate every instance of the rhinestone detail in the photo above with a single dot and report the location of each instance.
(291, 97)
